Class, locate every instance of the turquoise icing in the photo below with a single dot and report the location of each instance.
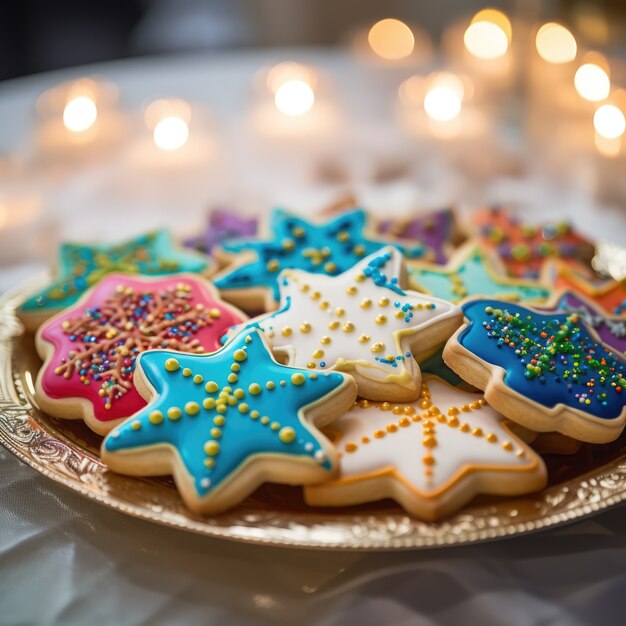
(473, 279)
(329, 248)
(241, 436)
(550, 358)
(80, 266)
(434, 365)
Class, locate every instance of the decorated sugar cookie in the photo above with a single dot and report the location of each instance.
(90, 349)
(611, 329)
(437, 230)
(81, 266)
(225, 423)
(221, 225)
(328, 248)
(610, 294)
(524, 247)
(472, 272)
(432, 456)
(545, 371)
(362, 322)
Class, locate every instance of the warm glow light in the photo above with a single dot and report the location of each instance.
(609, 148)
(443, 103)
(555, 43)
(592, 82)
(295, 97)
(391, 39)
(411, 91)
(80, 114)
(284, 72)
(609, 121)
(171, 133)
(495, 17)
(160, 109)
(486, 40)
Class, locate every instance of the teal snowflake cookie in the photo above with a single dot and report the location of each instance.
(225, 423)
(80, 266)
(327, 248)
(472, 272)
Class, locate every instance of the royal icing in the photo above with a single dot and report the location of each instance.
(608, 294)
(524, 247)
(97, 341)
(435, 230)
(473, 274)
(360, 319)
(328, 248)
(221, 225)
(550, 358)
(440, 442)
(610, 328)
(218, 411)
(80, 266)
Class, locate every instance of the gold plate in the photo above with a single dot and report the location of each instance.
(67, 452)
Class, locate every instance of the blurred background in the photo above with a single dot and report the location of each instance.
(38, 35)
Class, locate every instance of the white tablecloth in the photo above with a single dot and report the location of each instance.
(66, 560)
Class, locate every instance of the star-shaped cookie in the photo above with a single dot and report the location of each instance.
(436, 230)
(611, 329)
(362, 322)
(225, 423)
(432, 456)
(81, 266)
(90, 349)
(472, 272)
(524, 247)
(222, 224)
(326, 248)
(610, 294)
(545, 371)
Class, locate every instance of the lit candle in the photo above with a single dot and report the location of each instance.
(169, 122)
(290, 101)
(77, 116)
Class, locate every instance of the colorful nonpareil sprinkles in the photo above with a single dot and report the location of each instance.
(550, 358)
(109, 337)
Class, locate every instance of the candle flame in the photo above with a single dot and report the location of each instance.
(592, 82)
(171, 133)
(609, 121)
(80, 114)
(294, 98)
(555, 43)
(391, 39)
(488, 35)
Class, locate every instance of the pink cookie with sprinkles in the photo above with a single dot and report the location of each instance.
(90, 349)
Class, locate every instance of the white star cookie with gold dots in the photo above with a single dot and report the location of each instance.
(361, 322)
(432, 456)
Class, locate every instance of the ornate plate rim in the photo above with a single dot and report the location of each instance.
(22, 434)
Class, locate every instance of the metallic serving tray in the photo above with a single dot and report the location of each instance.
(67, 452)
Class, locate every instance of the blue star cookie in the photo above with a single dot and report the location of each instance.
(80, 266)
(328, 248)
(547, 371)
(224, 423)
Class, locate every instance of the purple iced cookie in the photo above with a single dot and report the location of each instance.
(222, 225)
(610, 329)
(435, 230)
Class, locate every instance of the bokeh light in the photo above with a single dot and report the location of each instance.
(555, 43)
(171, 133)
(80, 114)
(488, 35)
(609, 121)
(391, 39)
(295, 97)
(592, 82)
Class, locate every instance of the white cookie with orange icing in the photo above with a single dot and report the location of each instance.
(432, 456)
(361, 322)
